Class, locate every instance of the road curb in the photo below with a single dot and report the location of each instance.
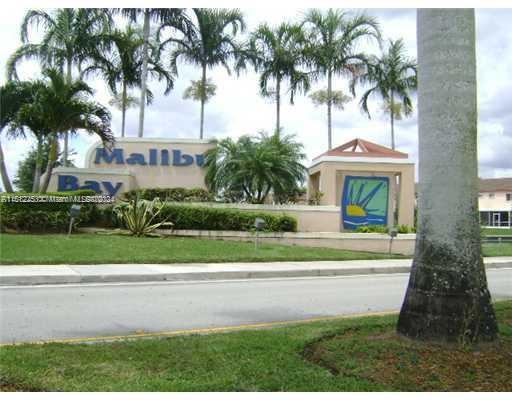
(75, 276)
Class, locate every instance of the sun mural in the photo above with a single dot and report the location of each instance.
(365, 201)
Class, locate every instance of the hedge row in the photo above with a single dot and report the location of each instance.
(197, 195)
(37, 216)
(224, 219)
(207, 218)
(54, 217)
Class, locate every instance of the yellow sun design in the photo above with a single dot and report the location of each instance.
(353, 210)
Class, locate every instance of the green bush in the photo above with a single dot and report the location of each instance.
(197, 195)
(207, 218)
(215, 219)
(405, 229)
(372, 229)
(37, 216)
(141, 217)
(384, 229)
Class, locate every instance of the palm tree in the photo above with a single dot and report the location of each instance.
(174, 17)
(121, 63)
(66, 107)
(391, 76)
(70, 39)
(200, 91)
(37, 125)
(13, 95)
(208, 41)
(332, 40)
(447, 297)
(334, 98)
(254, 167)
(278, 55)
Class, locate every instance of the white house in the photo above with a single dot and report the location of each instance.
(495, 202)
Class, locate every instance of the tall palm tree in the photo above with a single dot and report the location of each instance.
(120, 62)
(254, 167)
(447, 297)
(13, 95)
(277, 53)
(333, 37)
(391, 76)
(332, 98)
(70, 38)
(66, 107)
(208, 41)
(37, 125)
(170, 16)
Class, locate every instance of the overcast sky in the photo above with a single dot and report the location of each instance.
(238, 108)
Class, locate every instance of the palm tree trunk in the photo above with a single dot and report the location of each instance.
(203, 81)
(65, 151)
(3, 172)
(447, 297)
(52, 157)
(329, 107)
(143, 86)
(392, 116)
(123, 110)
(278, 105)
(39, 161)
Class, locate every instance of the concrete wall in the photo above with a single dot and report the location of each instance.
(148, 169)
(121, 179)
(372, 242)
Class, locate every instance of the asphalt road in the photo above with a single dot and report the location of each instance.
(84, 311)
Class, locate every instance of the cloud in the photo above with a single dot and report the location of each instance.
(238, 108)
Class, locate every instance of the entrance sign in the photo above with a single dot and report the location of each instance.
(137, 163)
(365, 201)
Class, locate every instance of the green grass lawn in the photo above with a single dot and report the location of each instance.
(98, 249)
(359, 354)
(497, 231)
(497, 249)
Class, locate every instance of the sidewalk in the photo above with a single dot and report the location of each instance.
(66, 274)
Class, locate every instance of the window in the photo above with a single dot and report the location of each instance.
(491, 195)
(508, 196)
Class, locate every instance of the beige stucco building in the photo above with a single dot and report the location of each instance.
(495, 202)
(367, 181)
(136, 163)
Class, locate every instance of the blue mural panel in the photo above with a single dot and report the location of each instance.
(364, 201)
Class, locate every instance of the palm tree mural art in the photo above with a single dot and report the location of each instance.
(365, 201)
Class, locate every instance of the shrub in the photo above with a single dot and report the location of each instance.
(405, 229)
(384, 229)
(42, 216)
(208, 218)
(141, 216)
(372, 229)
(197, 195)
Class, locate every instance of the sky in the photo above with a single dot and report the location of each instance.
(238, 109)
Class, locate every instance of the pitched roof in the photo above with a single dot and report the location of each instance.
(495, 185)
(363, 148)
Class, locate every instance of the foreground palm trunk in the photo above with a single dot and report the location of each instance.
(447, 298)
